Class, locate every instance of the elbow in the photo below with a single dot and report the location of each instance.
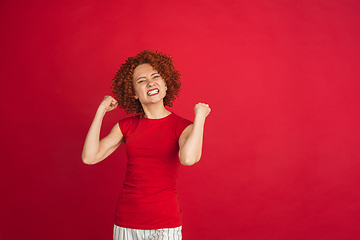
(189, 161)
(186, 163)
(87, 160)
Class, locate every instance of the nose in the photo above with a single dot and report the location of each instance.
(151, 83)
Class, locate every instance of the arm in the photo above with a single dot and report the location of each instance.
(191, 139)
(96, 150)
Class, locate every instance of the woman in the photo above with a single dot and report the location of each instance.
(156, 140)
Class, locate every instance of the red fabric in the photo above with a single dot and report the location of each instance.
(148, 199)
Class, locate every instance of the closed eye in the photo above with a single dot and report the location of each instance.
(155, 75)
(141, 80)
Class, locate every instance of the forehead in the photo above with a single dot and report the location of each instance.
(143, 70)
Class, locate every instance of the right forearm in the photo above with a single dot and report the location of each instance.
(92, 141)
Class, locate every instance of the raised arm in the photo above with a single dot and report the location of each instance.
(191, 139)
(96, 150)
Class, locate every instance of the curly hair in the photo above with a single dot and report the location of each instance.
(122, 83)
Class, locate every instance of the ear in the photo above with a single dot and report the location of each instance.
(136, 97)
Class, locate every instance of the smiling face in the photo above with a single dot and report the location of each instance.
(149, 86)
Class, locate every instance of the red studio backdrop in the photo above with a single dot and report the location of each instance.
(281, 147)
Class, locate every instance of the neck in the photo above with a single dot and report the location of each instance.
(154, 111)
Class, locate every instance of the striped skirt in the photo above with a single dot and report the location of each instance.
(121, 233)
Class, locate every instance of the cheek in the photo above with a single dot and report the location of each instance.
(164, 83)
(135, 91)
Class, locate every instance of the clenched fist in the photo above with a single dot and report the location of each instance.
(202, 109)
(108, 103)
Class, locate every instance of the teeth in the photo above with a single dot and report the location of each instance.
(152, 92)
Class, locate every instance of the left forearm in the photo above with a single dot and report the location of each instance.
(190, 152)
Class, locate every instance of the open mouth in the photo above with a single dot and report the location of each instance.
(153, 92)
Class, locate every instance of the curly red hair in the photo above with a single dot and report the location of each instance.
(122, 86)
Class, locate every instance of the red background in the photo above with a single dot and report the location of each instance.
(281, 154)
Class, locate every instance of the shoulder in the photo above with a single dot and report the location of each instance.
(126, 123)
(181, 124)
(129, 119)
(179, 119)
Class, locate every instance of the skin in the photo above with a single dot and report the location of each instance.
(145, 79)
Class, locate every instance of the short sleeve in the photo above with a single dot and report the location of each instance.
(182, 124)
(125, 126)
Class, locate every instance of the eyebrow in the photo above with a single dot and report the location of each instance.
(139, 78)
(144, 77)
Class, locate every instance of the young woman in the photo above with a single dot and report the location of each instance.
(156, 140)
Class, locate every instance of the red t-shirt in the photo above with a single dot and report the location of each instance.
(148, 199)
